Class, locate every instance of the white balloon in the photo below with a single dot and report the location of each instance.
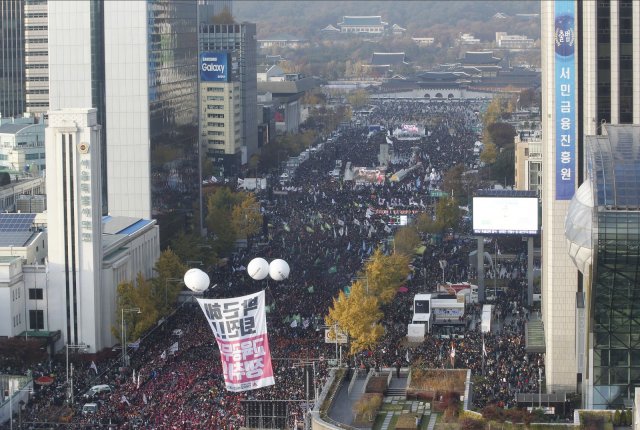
(196, 280)
(258, 268)
(279, 270)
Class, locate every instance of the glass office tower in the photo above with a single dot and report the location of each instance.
(141, 76)
(11, 58)
(590, 64)
(613, 167)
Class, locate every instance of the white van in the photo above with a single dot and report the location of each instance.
(97, 389)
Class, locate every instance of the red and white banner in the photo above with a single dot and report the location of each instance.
(240, 328)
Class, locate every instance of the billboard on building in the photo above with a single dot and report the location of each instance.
(214, 67)
(565, 99)
(505, 215)
(240, 327)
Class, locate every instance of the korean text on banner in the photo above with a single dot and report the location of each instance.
(565, 89)
(240, 328)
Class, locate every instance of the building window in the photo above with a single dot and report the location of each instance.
(215, 115)
(35, 294)
(215, 107)
(36, 320)
(215, 89)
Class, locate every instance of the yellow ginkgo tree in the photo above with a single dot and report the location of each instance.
(385, 273)
(358, 315)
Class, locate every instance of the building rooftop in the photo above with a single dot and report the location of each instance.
(330, 28)
(19, 239)
(13, 128)
(481, 57)
(362, 20)
(123, 225)
(7, 259)
(388, 58)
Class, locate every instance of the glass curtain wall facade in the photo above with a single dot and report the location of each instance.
(12, 86)
(613, 163)
(173, 130)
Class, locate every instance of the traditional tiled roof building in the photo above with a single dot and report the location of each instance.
(363, 24)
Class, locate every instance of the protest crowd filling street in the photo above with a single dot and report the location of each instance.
(325, 228)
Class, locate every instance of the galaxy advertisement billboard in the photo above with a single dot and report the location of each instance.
(214, 67)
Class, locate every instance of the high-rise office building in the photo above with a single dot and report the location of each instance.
(36, 57)
(590, 75)
(136, 62)
(240, 40)
(220, 113)
(11, 57)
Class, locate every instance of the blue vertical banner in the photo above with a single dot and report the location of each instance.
(565, 89)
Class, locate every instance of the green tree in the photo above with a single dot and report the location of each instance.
(489, 153)
(406, 240)
(132, 295)
(358, 98)
(219, 219)
(452, 181)
(501, 134)
(246, 218)
(426, 224)
(166, 289)
(503, 170)
(448, 212)
(224, 17)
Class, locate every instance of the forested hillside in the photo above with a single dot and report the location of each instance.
(420, 18)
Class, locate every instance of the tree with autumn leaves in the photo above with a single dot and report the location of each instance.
(359, 313)
(154, 297)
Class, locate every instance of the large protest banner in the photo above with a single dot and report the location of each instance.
(240, 328)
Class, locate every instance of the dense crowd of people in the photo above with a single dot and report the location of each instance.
(325, 228)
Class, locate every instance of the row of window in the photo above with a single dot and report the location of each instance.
(215, 124)
(36, 40)
(43, 91)
(36, 27)
(215, 133)
(215, 89)
(215, 107)
(216, 142)
(215, 115)
(15, 294)
(34, 156)
(36, 66)
(215, 98)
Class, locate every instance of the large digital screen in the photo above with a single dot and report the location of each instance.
(505, 215)
(214, 67)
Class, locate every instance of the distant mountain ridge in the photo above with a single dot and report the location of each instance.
(305, 18)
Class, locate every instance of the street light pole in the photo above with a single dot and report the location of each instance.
(124, 334)
(80, 347)
(11, 394)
